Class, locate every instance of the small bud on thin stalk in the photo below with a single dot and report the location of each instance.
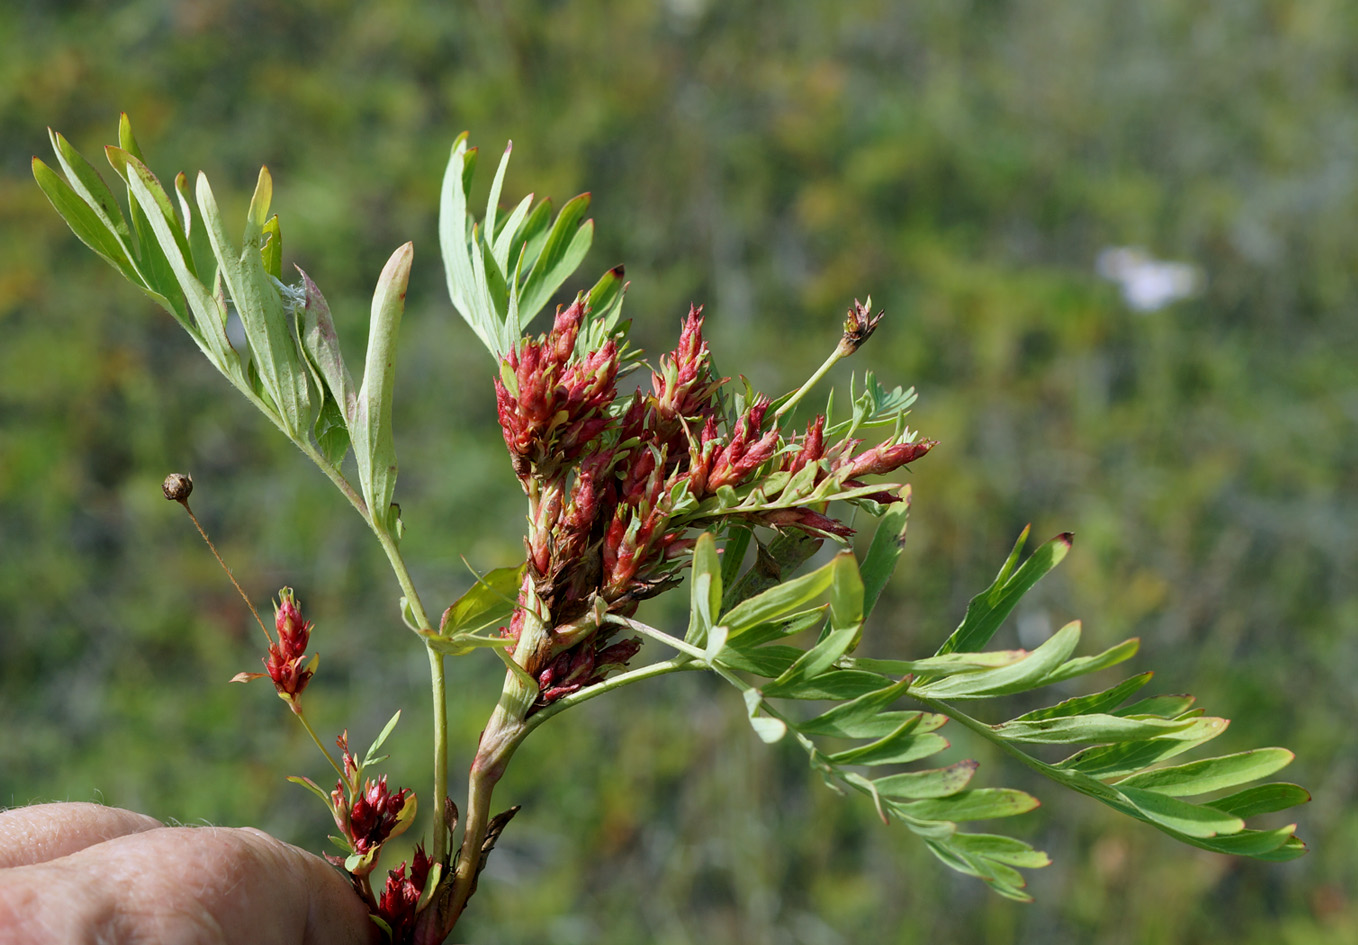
(858, 328)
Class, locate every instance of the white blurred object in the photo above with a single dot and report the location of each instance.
(1148, 284)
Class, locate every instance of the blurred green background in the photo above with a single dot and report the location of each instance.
(963, 162)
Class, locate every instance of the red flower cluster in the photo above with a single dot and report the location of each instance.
(555, 406)
(286, 663)
(615, 487)
(370, 815)
(401, 894)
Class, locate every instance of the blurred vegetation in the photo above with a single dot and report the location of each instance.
(964, 162)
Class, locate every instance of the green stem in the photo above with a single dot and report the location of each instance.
(437, 686)
(690, 651)
(440, 696)
(608, 685)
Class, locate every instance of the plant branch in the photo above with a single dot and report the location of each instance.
(608, 685)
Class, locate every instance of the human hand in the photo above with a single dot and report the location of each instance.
(86, 873)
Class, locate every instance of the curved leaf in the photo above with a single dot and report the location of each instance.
(374, 447)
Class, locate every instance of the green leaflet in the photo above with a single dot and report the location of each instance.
(704, 590)
(768, 729)
(863, 717)
(1017, 677)
(204, 263)
(268, 329)
(814, 662)
(1084, 705)
(1168, 706)
(950, 664)
(567, 243)
(988, 609)
(153, 267)
(1211, 774)
(320, 344)
(1087, 729)
(86, 182)
(469, 296)
(489, 602)
(370, 757)
(1262, 799)
(888, 541)
(934, 782)
(978, 804)
(208, 326)
(1112, 761)
(779, 601)
(1193, 820)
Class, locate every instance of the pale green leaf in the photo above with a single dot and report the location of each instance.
(977, 804)
(565, 248)
(1167, 706)
(371, 755)
(704, 589)
(863, 717)
(322, 347)
(1113, 761)
(904, 745)
(1262, 799)
(1210, 774)
(936, 782)
(1088, 729)
(1018, 677)
(813, 663)
(1082, 665)
(88, 226)
(948, 664)
(1104, 701)
(374, 447)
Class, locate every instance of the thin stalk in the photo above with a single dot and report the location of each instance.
(234, 583)
(297, 711)
(689, 650)
(608, 685)
(835, 357)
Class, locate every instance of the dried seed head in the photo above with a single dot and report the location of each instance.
(177, 487)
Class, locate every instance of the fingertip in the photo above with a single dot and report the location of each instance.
(43, 832)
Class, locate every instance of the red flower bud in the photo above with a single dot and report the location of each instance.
(286, 663)
(376, 815)
(883, 458)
